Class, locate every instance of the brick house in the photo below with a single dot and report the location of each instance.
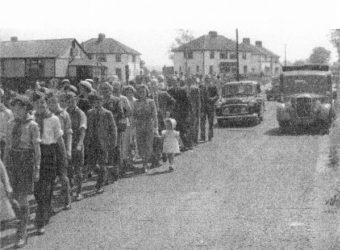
(24, 62)
(119, 59)
(214, 53)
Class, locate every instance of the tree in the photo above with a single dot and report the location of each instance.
(183, 37)
(335, 40)
(320, 56)
(299, 62)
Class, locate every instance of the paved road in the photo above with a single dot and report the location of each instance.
(250, 188)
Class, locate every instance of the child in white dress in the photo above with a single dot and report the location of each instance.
(171, 141)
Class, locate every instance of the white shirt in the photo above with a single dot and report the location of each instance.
(52, 130)
(5, 116)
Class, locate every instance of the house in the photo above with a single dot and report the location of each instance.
(24, 62)
(210, 54)
(119, 59)
(262, 60)
(213, 53)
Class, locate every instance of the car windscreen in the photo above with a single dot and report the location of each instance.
(238, 90)
(317, 84)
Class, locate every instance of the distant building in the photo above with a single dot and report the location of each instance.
(262, 60)
(216, 54)
(119, 59)
(24, 62)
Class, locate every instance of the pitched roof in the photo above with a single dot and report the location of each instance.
(107, 46)
(86, 62)
(209, 42)
(34, 48)
(259, 50)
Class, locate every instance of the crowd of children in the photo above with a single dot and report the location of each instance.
(58, 133)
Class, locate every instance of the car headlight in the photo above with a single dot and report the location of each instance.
(226, 111)
(252, 103)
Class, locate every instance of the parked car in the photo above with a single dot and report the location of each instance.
(240, 102)
(273, 93)
(307, 98)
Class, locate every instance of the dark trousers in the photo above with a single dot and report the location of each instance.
(75, 169)
(62, 173)
(194, 128)
(42, 190)
(207, 112)
(183, 126)
(100, 157)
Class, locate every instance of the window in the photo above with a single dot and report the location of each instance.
(119, 73)
(223, 55)
(211, 69)
(244, 55)
(212, 54)
(190, 55)
(118, 57)
(35, 68)
(133, 58)
(245, 70)
(101, 57)
(197, 69)
(232, 55)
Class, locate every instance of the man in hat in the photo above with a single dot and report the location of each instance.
(209, 95)
(5, 115)
(195, 99)
(101, 136)
(182, 111)
(79, 126)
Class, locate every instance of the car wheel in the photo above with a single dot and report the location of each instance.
(220, 122)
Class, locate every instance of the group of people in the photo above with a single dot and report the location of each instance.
(67, 133)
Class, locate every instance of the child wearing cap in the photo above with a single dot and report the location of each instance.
(52, 148)
(65, 122)
(22, 159)
(79, 126)
(171, 141)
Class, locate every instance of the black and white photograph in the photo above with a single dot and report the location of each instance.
(158, 125)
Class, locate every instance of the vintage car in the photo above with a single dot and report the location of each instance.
(307, 98)
(240, 103)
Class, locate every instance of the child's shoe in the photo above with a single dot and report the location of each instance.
(171, 168)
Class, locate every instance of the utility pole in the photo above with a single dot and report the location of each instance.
(237, 60)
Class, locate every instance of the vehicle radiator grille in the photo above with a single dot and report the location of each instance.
(303, 107)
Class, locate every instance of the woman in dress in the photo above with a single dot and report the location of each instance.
(129, 91)
(145, 119)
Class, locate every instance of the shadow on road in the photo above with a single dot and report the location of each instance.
(296, 132)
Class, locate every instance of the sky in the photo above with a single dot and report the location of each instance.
(150, 26)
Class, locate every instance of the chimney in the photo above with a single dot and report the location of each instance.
(14, 39)
(101, 37)
(258, 43)
(246, 41)
(213, 34)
